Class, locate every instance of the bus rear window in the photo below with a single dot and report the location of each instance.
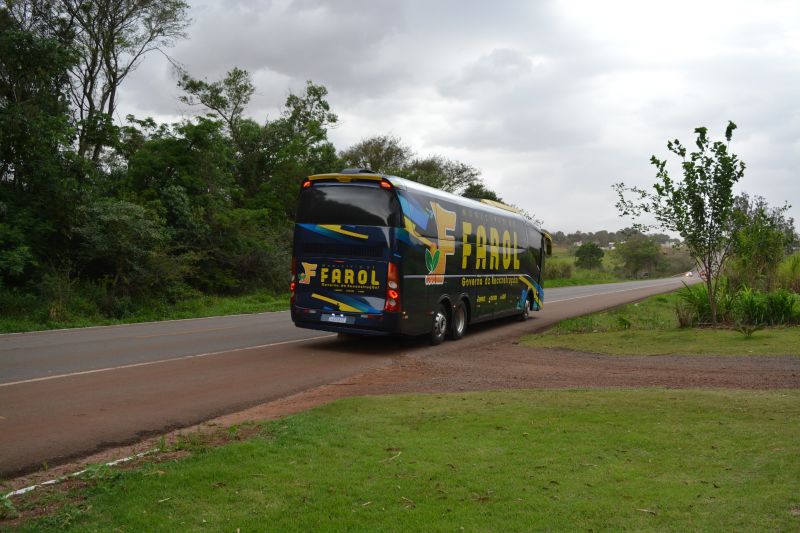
(349, 204)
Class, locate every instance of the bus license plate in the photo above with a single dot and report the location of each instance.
(337, 319)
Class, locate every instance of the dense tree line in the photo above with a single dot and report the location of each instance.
(111, 215)
(606, 239)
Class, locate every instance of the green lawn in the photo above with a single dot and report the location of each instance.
(650, 327)
(582, 276)
(774, 341)
(504, 461)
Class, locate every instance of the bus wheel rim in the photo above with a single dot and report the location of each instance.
(460, 319)
(439, 323)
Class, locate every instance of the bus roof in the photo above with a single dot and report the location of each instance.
(355, 175)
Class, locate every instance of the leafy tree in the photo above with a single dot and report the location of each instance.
(761, 239)
(110, 37)
(269, 159)
(119, 237)
(15, 255)
(442, 173)
(479, 191)
(381, 153)
(388, 155)
(227, 98)
(589, 255)
(34, 120)
(295, 145)
(639, 254)
(699, 208)
(39, 190)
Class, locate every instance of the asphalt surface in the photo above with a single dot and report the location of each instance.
(64, 394)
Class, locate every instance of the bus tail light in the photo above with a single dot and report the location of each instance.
(392, 289)
(293, 282)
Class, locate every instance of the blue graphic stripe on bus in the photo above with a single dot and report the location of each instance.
(413, 211)
(316, 228)
(370, 235)
(523, 297)
(362, 304)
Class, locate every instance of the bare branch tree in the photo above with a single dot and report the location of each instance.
(111, 38)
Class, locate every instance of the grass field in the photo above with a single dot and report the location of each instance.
(582, 276)
(504, 461)
(650, 327)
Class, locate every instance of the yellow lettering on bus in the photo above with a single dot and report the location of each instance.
(349, 276)
(494, 243)
(336, 275)
(506, 250)
(362, 277)
(323, 275)
(516, 252)
(466, 247)
(374, 280)
(480, 248)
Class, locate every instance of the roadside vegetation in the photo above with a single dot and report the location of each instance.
(103, 221)
(741, 247)
(634, 256)
(753, 321)
(552, 460)
(679, 323)
(23, 312)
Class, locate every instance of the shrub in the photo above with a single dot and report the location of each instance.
(589, 255)
(557, 269)
(750, 308)
(695, 309)
(781, 307)
(685, 314)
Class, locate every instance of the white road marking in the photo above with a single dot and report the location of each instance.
(605, 293)
(148, 363)
(75, 474)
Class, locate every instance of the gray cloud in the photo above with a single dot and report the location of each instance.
(553, 101)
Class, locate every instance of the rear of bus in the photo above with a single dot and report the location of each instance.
(344, 274)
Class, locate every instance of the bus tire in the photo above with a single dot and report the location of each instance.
(458, 323)
(526, 311)
(439, 325)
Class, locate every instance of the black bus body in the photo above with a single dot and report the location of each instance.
(378, 255)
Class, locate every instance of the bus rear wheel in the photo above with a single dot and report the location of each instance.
(458, 324)
(526, 311)
(439, 325)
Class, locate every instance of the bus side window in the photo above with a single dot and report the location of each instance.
(534, 240)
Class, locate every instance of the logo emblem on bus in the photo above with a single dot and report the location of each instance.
(436, 255)
(309, 271)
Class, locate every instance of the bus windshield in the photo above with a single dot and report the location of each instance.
(349, 204)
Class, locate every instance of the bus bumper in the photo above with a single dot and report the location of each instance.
(357, 324)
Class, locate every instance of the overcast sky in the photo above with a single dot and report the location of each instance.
(552, 101)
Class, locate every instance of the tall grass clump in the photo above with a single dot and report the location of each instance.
(789, 273)
(746, 309)
(783, 308)
(557, 269)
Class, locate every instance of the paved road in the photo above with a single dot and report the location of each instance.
(70, 392)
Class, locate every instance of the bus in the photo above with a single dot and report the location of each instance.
(379, 255)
